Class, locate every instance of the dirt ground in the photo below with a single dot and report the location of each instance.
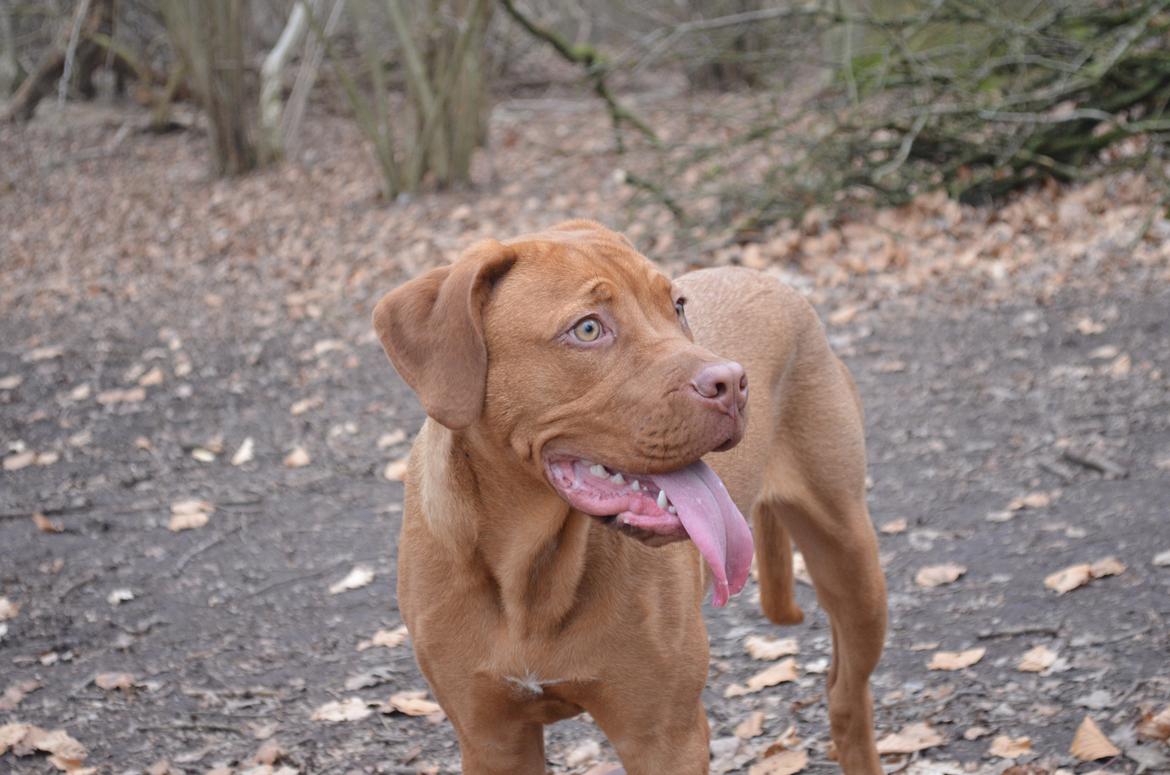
(151, 322)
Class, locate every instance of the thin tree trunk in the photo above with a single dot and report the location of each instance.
(365, 116)
(9, 65)
(298, 99)
(449, 94)
(272, 80)
(210, 36)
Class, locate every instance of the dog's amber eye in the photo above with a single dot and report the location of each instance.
(587, 330)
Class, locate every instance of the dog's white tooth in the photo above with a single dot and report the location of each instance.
(597, 469)
(672, 509)
(662, 499)
(635, 486)
(618, 478)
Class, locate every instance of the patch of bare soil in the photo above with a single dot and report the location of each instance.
(198, 505)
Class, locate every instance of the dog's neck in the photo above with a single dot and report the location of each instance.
(515, 532)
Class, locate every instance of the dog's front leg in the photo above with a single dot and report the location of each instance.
(501, 747)
(663, 739)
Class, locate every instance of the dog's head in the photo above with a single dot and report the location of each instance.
(572, 350)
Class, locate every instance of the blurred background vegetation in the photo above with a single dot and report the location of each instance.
(837, 102)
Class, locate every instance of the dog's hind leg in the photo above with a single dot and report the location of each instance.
(814, 485)
(774, 565)
(841, 552)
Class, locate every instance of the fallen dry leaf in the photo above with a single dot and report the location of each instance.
(843, 315)
(8, 609)
(189, 514)
(181, 522)
(395, 470)
(1104, 353)
(769, 649)
(752, 726)
(132, 395)
(394, 437)
(585, 753)
(44, 524)
(42, 354)
(385, 638)
(349, 709)
(1090, 743)
(976, 732)
(1121, 366)
(894, 526)
(11, 382)
(151, 378)
(16, 693)
(1068, 579)
(955, 660)
(305, 404)
(1033, 500)
(65, 753)
(788, 740)
(11, 734)
(1155, 726)
(1087, 327)
(1109, 566)
(19, 460)
(191, 506)
(112, 681)
(298, 458)
(779, 673)
(328, 346)
(890, 367)
(411, 703)
(1037, 659)
(1162, 559)
(938, 575)
(245, 453)
(1006, 747)
(781, 763)
(911, 738)
(360, 576)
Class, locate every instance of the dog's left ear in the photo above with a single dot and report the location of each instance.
(432, 329)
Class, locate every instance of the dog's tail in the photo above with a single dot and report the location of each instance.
(774, 565)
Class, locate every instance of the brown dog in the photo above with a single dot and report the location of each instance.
(542, 566)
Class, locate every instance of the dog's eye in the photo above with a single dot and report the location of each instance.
(587, 330)
(680, 309)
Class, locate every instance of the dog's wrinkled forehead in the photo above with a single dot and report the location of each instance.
(581, 266)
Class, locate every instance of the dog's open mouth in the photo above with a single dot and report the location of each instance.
(691, 502)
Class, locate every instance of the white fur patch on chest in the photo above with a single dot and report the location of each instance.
(531, 683)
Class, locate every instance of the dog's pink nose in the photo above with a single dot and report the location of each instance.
(725, 383)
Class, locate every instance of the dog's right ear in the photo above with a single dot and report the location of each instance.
(432, 329)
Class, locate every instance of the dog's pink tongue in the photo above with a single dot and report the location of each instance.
(713, 522)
